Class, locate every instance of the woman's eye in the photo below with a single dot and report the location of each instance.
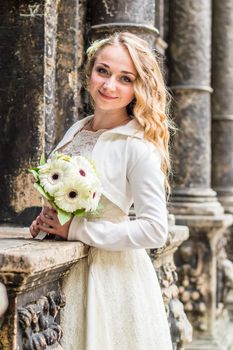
(102, 70)
(126, 79)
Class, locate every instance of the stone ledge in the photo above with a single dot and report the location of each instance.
(205, 221)
(26, 255)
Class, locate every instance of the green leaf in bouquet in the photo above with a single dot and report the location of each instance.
(40, 189)
(34, 173)
(63, 216)
(79, 212)
(42, 159)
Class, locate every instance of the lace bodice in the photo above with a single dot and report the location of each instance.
(82, 145)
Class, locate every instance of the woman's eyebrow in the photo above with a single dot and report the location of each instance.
(123, 71)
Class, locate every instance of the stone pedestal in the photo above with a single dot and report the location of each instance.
(33, 272)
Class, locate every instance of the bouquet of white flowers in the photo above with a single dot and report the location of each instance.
(70, 184)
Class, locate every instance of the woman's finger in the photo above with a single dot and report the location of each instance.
(44, 219)
(34, 230)
(47, 229)
(49, 211)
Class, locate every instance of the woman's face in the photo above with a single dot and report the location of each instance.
(111, 84)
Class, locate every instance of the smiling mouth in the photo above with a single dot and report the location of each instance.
(106, 96)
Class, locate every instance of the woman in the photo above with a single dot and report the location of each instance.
(127, 138)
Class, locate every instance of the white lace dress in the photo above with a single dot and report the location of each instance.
(118, 297)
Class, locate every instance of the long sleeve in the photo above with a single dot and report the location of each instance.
(148, 230)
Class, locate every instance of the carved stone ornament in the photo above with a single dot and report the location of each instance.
(37, 322)
(3, 299)
(180, 327)
(224, 275)
(194, 282)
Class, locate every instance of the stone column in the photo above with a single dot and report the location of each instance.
(193, 201)
(21, 104)
(222, 103)
(41, 55)
(144, 19)
(222, 121)
(134, 16)
(69, 64)
(190, 66)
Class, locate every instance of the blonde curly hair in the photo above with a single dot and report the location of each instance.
(150, 104)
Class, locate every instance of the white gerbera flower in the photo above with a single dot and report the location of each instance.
(52, 174)
(72, 196)
(94, 198)
(83, 169)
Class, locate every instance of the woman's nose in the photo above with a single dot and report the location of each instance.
(110, 83)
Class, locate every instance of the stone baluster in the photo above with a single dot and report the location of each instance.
(194, 202)
(222, 122)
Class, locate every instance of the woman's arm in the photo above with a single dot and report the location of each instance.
(150, 228)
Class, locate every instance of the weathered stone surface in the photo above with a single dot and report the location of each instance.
(122, 11)
(69, 64)
(31, 270)
(64, 52)
(21, 105)
(136, 17)
(190, 62)
(201, 265)
(190, 44)
(16, 255)
(41, 54)
(3, 300)
(222, 102)
(163, 261)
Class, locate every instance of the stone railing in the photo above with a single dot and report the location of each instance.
(33, 272)
(40, 278)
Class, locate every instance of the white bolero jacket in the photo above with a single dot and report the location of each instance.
(130, 172)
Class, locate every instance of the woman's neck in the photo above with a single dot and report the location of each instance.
(109, 119)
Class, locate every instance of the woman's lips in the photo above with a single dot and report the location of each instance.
(106, 96)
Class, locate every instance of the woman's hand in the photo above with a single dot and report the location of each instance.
(34, 228)
(48, 222)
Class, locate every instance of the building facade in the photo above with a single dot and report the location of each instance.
(42, 55)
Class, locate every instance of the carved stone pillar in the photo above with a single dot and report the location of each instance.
(33, 273)
(41, 54)
(193, 201)
(222, 103)
(163, 261)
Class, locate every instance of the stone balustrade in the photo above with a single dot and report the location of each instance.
(42, 280)
(33, 272)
